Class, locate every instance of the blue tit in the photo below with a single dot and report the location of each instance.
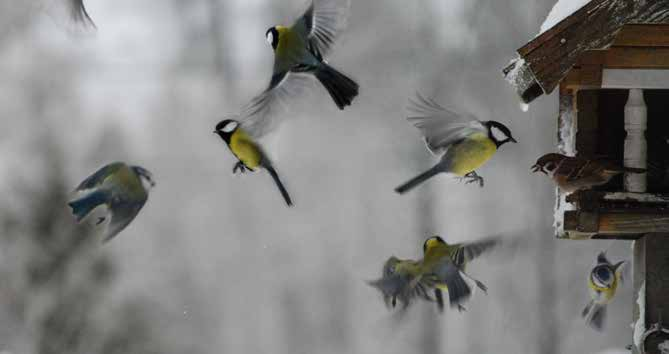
(248, 152)
(602, 283)
(121, 188)
(437, 252)
(465, 142)
(299, 52)
(401, 282)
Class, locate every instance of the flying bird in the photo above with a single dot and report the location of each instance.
(602, 283)
(299, 54)
(464, 142)
(577, 173)
(436, 251)
(123, 189)
(249, 154)
(404, 280)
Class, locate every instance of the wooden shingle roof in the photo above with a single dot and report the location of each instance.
(543, 62)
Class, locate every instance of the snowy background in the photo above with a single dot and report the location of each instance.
(215, 263)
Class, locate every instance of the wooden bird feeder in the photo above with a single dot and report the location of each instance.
(610, 61)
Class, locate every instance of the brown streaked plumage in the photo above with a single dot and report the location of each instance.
(576, 173)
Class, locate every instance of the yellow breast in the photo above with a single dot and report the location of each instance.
(470, 154)
(243, 147)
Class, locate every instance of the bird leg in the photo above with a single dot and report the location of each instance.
(239, 166)
(472, 177)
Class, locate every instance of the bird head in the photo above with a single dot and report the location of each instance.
(433, 241)
(225, 128)
(145, 176)
(499, 133)
(272, 37)
(548, 163)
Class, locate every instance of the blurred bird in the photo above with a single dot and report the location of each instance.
(405, 280)
(576, 173)
(121, 188)
(401, 281)
(435, 250)
(603, 282)
(465, 142)
(299, 52)
(249, 154)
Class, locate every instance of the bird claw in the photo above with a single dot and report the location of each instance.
(239, 166)
(472, 177)
(461, 308)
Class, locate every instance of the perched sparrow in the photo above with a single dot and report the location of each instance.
(576, 173)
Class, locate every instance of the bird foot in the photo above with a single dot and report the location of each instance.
(472, 177)
(239, 166)
(461, 308)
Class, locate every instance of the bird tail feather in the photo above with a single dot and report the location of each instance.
(282, 189)
(595, 314)
(414, 182)
(341, 88)
(83, 206)
(458, 289)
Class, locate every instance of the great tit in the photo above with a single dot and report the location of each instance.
(248, 152)
(577, 173)
(602, 283)
(299, 52)
(435, 249)
(123, 189)
(465, 142)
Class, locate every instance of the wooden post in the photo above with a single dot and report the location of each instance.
(635, 143)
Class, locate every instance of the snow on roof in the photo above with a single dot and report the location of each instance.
(561, 10)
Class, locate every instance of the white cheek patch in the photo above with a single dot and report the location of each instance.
(498, 134)
(230, 127)
(270, 38)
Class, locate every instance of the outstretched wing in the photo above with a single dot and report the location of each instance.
(99, 176)
(122, 214)
(262, 114)
(401, 288)
(441, 127)
(466, 252)
(322, 22)
(78, 13)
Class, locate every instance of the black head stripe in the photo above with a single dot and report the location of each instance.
(501, 127)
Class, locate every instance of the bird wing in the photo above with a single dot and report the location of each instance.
(401, 287)
(78, 13)
(97, 178)
(261, 114)
(441, 127)
(466, 252)
(123, 212)
(321, 23)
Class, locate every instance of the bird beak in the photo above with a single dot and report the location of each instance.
(513, 140)
(536, 168)
(214, 132)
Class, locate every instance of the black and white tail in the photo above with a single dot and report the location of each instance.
(341, 88)
(414, 182)
(282, 189)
